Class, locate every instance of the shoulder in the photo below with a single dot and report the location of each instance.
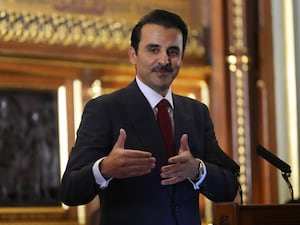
(116, 97)
(189, 103)
(106, 99)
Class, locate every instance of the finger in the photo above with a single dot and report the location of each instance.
(172, 180)
(138, 167)
(120, 143)
(184, 145)
(168, 167)
(139, 161)
(168, 172)
(121, 139)
(137, 154)
(184, 148)
(134, 170)
(172, 177)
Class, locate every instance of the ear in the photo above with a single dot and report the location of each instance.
(132, 55)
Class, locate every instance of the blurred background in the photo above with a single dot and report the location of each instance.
(242, 60)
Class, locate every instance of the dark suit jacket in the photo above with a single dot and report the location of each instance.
(143, 200)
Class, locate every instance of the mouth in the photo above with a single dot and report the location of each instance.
(163, 72)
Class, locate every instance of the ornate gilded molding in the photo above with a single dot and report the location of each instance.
(76, 30)
(238, 63)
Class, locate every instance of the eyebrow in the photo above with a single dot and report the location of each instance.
(174, 47)
(151, 45)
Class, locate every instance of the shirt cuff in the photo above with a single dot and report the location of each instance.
(202, 174)
(103, 183)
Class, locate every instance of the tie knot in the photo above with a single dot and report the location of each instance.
(163, 103)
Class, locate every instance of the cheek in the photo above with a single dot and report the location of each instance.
(177, 63)
(147, 63)
(143, 66)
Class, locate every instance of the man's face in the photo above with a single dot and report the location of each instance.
(159, 56)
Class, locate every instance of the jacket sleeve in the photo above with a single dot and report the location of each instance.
(78, 185)
(220, 184)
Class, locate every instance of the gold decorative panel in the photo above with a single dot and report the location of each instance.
(129, 9)
(78, 31)
(90, 23)
(238, 66)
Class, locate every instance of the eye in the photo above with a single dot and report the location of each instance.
(153, 49)
(173, 52)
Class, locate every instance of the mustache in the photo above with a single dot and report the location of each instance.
(164, 68)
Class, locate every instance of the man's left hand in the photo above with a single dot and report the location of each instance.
(181, 166)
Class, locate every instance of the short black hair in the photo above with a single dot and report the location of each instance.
(159, 17)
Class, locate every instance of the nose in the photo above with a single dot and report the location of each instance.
(164, 58)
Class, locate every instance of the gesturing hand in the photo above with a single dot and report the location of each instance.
(182, 166)
(125, 163)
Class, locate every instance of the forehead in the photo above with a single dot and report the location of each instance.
(157, 34)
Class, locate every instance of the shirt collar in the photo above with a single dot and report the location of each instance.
(152, 96)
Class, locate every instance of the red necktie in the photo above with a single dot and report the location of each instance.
(165, 125)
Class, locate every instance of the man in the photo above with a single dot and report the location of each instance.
(120, 154)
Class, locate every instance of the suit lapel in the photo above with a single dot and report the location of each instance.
(143, 120)
(182, 120)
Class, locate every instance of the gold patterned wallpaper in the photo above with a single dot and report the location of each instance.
(195, 12)
(90, 23)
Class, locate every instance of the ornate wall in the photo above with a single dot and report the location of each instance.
(75, 50)
(78, 49)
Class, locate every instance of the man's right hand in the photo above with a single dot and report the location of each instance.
(125, 163)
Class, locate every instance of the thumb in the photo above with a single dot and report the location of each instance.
(121, 139)
(184, 145)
